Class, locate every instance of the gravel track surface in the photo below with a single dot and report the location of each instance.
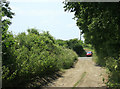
(85, 74)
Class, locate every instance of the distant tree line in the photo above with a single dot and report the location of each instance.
(74, 44)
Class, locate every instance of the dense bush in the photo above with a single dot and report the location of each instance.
(74, 44)
(77, 46)
(114, 75)
(34, 54)
(62, 42)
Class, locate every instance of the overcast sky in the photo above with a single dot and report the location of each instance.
(44, 15)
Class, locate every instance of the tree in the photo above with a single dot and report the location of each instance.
(74, 44)
(7, 38)
(34, 31)
(5, 12)
(6, 15)
(100, 24)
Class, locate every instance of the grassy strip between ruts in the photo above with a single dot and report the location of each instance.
(82, 76)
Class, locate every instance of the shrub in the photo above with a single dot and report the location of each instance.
(114, 76)
(34, 55)
(74, 44)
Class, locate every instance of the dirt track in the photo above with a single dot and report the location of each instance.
(84, 74)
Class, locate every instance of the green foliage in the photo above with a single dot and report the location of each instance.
(62, 43)
(74, 44)
(89, 46)
(77, 46)
(5, 12)
(113, 66)
(7, 38)
(34, 55)
(33, 31)
(99, 22)
(29, 55)
(100, 25)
